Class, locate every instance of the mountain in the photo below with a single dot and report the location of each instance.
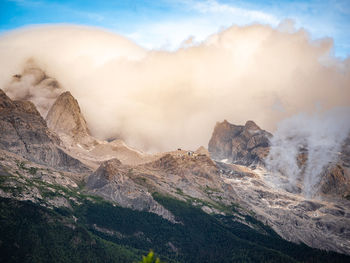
(24, 132)
(89, 205)
(112, 181)
(65, 118)
(250, 145)
(67, 121)
(245, 145)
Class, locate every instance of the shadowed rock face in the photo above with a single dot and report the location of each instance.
(245, 145)
(174, 173)
(24, 132)
(112, 182)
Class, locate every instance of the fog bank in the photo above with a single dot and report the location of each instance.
(158, 100)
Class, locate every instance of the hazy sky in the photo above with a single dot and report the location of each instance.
(149, 22)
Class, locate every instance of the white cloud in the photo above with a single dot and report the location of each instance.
(158, 100)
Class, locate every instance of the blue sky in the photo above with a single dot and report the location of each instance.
(167, 23)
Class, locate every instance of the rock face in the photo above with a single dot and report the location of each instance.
(215, 187)
(112, 182)
(336, 177)
(174, 173)
(317, 223)
(65, 119)
(245, 145)
(334, 180)
(23, 131)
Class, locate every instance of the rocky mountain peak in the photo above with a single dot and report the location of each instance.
(108, 169)
(65, 117)
(251, 125)
(246, 144)
(220, 143)
(24, 132)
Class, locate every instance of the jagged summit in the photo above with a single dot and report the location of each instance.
(65, 117)
(251, 125)
(39, 169)
(246, 144)
(24, 132)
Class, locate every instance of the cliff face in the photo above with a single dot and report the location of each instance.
(24, 132)
(245, 145)
(130, 181)
(65, 118)
(336, 177)
(112, 181)
(67, 121)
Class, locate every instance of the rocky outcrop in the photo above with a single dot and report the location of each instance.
(185, 166)
(336, 177)
(323, 224)
(65, 119)
(245, 145)
(112, 182)
(23, 131)
(202, 150)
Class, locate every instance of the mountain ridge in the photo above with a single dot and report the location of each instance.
(153, 183)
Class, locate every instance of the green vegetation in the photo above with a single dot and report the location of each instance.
(179, 191)
(94, 230)
(150, 258)
(210, 190)
(31, 170)
(30, 233)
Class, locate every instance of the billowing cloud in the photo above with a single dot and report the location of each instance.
(319, 136)
(159, 100)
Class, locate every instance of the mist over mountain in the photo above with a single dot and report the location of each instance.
(304, 145)
(55, 172)
(156, 100)
(98, 139)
